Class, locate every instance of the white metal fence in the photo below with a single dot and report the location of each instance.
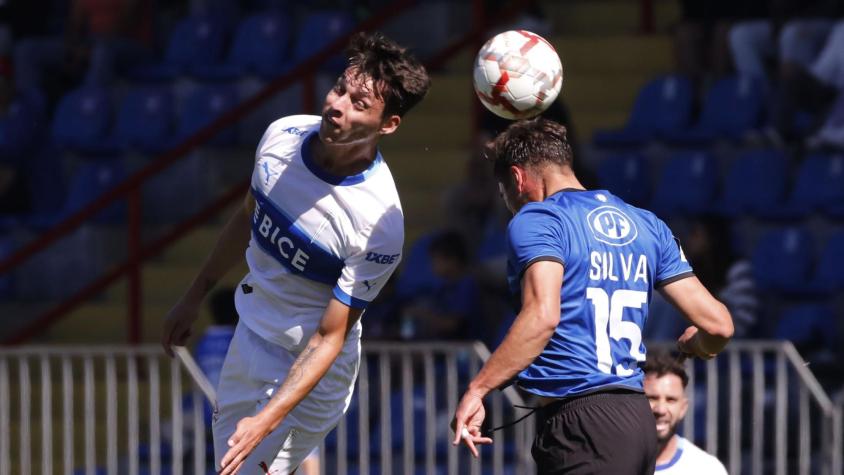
(68, 410)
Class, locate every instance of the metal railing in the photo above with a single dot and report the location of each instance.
(757, 407)
(760, 398)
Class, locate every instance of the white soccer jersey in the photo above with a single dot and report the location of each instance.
(689, 459)
(314, 236)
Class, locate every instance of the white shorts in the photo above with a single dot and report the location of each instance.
(253, 370)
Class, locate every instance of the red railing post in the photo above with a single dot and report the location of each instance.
(646, 19)
(134, 288)
(309, 93)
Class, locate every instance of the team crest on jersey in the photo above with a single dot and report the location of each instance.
(611, 226)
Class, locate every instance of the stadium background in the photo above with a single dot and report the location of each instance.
(123, 149)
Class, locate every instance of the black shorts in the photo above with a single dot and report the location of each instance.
(608, 432)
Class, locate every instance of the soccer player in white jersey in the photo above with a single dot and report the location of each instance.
(665, 387)
(322, 230)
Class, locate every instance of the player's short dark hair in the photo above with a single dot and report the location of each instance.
(662, 363)
(399, 78)
(530, 142)
(449, 244)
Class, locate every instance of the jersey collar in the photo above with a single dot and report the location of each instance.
(305, 151)
(678, 452)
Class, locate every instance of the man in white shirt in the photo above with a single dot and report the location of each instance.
(322, 230)
(665, 387)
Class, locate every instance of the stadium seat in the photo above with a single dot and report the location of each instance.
(7, 248)
(687, 184)
(829, 274)
(732, 107)
(145, 119)
(662, 107)
(819, 186)
(755, 184)
(82, 119)
(91, 180)
(22, 124)
(808, 326)
(782, 260)
(204, 105)
(627, 176)
(260, 45)
(195, 43)
(319, 29)
(416, 276)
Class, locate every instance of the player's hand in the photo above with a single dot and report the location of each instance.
(177, 325)
(689, 344)
(249, 433)
(467, 422)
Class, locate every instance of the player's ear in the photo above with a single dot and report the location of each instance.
(519, 177)
(390, 124)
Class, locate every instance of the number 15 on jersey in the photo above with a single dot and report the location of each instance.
(608, 324)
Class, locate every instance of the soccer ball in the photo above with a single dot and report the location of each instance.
(517, 74)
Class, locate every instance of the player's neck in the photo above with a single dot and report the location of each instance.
(553, 183)
(666, 452)
(343, 159)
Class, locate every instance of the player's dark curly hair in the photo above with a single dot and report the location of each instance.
(529, 143)
(399, 78)
(662, 363)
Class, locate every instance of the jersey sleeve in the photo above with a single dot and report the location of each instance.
(672, 264)
(366, 272)
(535, 234)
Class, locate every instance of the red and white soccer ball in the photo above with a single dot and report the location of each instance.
(518, 74)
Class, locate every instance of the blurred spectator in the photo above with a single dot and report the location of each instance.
(101, 36)
(470, 204)
(701, 36)
(451, 310)
(708, 245)
(785, 31)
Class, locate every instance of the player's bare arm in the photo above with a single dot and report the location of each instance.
(712, 326)
(227, 252)
(525, 340)
(310, 366)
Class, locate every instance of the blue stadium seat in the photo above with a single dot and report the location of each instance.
(732, 107)
(318, 30)
(7, 248)
(687, 184)
(662, 107)
(203, 106)
(819, 186)
(145, 119)
(782, 260)
(21, 126)
(829, 274)
(82, 119)
(809, 325)
(91, 180)
(627, 176)
(755, 183)
(195, 43)
(261, 44)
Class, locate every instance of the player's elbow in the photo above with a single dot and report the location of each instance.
(547, 321)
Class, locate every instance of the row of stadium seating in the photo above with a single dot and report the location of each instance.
(764, 183)
(664, 109)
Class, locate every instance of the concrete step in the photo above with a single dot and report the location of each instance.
(606, 17)
(612, 55)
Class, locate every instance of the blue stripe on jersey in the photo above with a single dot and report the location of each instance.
(279, 236)
(348, 299)
(334, 179)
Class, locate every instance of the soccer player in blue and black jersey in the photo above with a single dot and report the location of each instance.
(583, 264)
